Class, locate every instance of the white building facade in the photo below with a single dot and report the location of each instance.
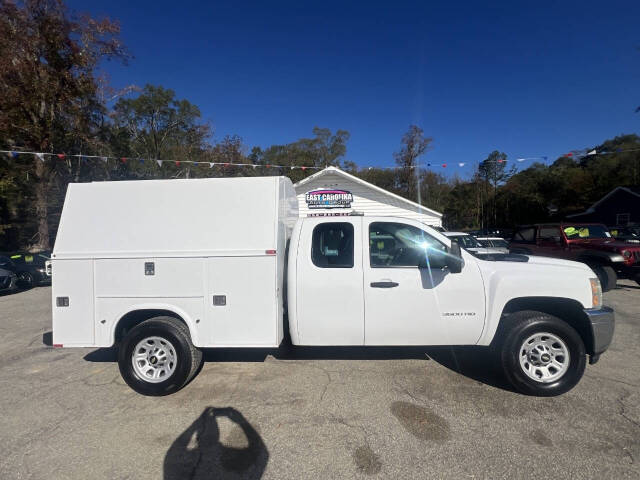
(334, 192)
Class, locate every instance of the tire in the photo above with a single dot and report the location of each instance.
(606, 275)
(526, 325)
(157, 342)
(26, 280)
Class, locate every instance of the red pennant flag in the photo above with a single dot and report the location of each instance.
(61, 156)
(500, 160)
(304, 168)
(226, 165)
(177, 164)
(123, 159)
(569, 155)
(268, 166)
(444, 165)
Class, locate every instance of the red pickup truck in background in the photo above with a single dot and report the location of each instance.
(589, 243)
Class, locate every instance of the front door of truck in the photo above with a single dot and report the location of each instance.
(330, 306)
(411, 298)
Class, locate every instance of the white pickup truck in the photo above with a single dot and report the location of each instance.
(165, 268)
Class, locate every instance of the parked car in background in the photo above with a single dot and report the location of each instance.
(626, 234)
(29, 268)
(471, 244)
(494, 242)
(8, 281)
(589, 243)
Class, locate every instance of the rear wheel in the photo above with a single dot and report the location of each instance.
(157, 357)
(542, 355)
(606, 275)
(26, 279)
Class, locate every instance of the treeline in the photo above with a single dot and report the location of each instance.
(53, 99)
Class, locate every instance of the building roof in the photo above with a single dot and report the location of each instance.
(632, 190)
(337, 171)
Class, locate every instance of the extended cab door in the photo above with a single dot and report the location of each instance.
(330, 305)
(410, 297)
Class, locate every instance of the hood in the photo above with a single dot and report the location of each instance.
(557, 262)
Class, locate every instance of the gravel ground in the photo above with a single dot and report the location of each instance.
(311, 413)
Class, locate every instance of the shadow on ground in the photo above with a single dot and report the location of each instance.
(477, 363)
(200, 453)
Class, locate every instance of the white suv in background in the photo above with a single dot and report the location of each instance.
(471, 244)
(494, 242)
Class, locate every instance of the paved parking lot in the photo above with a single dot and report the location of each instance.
(311, 413)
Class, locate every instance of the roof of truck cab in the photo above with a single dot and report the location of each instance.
(174, 217)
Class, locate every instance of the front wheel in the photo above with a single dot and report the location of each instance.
(607, 276)
(542, 355)
(157, 357)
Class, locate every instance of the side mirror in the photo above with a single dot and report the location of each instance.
(454, 259)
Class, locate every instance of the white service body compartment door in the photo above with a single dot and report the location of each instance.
(330, 304)
(73, 325)
(245, 312)
(407, 304)
(169, 277)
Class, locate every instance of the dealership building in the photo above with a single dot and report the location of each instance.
(335, 192)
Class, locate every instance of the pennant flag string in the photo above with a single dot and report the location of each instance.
(85, 158)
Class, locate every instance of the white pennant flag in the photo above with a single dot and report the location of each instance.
(520, 159)
(104, 159)
(159, 162)
(292, 168)
(461, 164)
(211, 164)
(592, 152)
(40, 156)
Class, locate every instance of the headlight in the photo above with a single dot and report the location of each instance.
(596, 293)
(41, 270)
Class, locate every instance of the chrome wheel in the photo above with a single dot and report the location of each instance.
(544, 357)
(154, 359)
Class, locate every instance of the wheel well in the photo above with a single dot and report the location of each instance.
(135, 317)
(566, 309)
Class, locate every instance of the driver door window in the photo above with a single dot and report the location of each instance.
(401, 245)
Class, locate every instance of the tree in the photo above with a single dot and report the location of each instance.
(49, 93)
(414, 145)
(493, 170)
(159, 125)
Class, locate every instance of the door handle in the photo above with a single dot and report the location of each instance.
(386, 284)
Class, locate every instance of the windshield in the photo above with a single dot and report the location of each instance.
(500, 243)
(467, 241)
(586, 232)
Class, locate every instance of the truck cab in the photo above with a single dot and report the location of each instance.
(370, 266)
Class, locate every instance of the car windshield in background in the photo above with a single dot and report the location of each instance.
(500, 243)
(29, 258)
(467, 241)
(586, 232)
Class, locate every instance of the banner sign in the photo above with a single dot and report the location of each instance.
(328, 199)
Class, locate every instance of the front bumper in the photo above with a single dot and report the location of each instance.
(602, 324)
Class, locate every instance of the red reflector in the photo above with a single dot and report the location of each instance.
(270, 252)
(57, 345)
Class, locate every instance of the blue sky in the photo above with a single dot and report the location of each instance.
(526, 78)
